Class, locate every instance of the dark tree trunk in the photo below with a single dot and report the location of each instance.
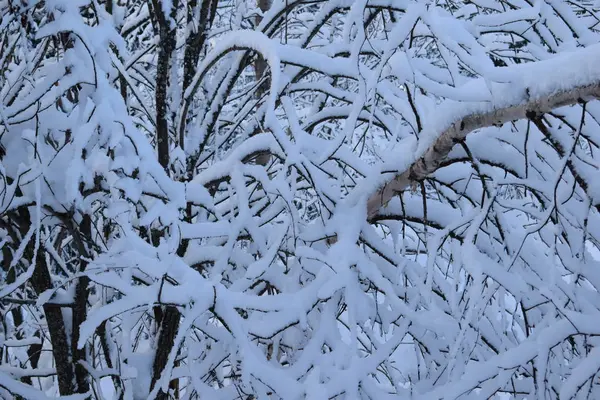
(195, 42)
(168, 317)
(42, 281)
(80, 304)
(260, 68)
(167, 29)
(169, 325)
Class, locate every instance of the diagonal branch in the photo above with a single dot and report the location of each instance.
(530, 90)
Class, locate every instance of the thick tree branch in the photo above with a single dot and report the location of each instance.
(535, 100)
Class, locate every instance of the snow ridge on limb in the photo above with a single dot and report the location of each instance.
(528, 92)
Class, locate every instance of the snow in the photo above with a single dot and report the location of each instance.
(8, 382)
(285, 286)
(517, 84)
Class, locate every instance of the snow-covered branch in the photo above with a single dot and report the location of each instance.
(173, 173)
(527, 91)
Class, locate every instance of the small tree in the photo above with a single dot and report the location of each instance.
(299, 199)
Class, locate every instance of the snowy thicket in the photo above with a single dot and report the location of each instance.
(299, 199)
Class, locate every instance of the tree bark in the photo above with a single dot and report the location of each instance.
(260, 69)
(80, 303)
(464, 124)
(169, 324)
(195, 42)
(167, 29)
(41, 281)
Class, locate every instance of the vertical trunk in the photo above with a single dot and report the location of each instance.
(104, 340)
(167, 29)
(260, 68)
(79, 316)
(166, 45)
(169, 324)
(122, 82)
(195, 41)
(260, 65)
(42, 281)
(80, 304)
(34, 352)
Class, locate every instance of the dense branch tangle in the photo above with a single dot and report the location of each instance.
(307, 199)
